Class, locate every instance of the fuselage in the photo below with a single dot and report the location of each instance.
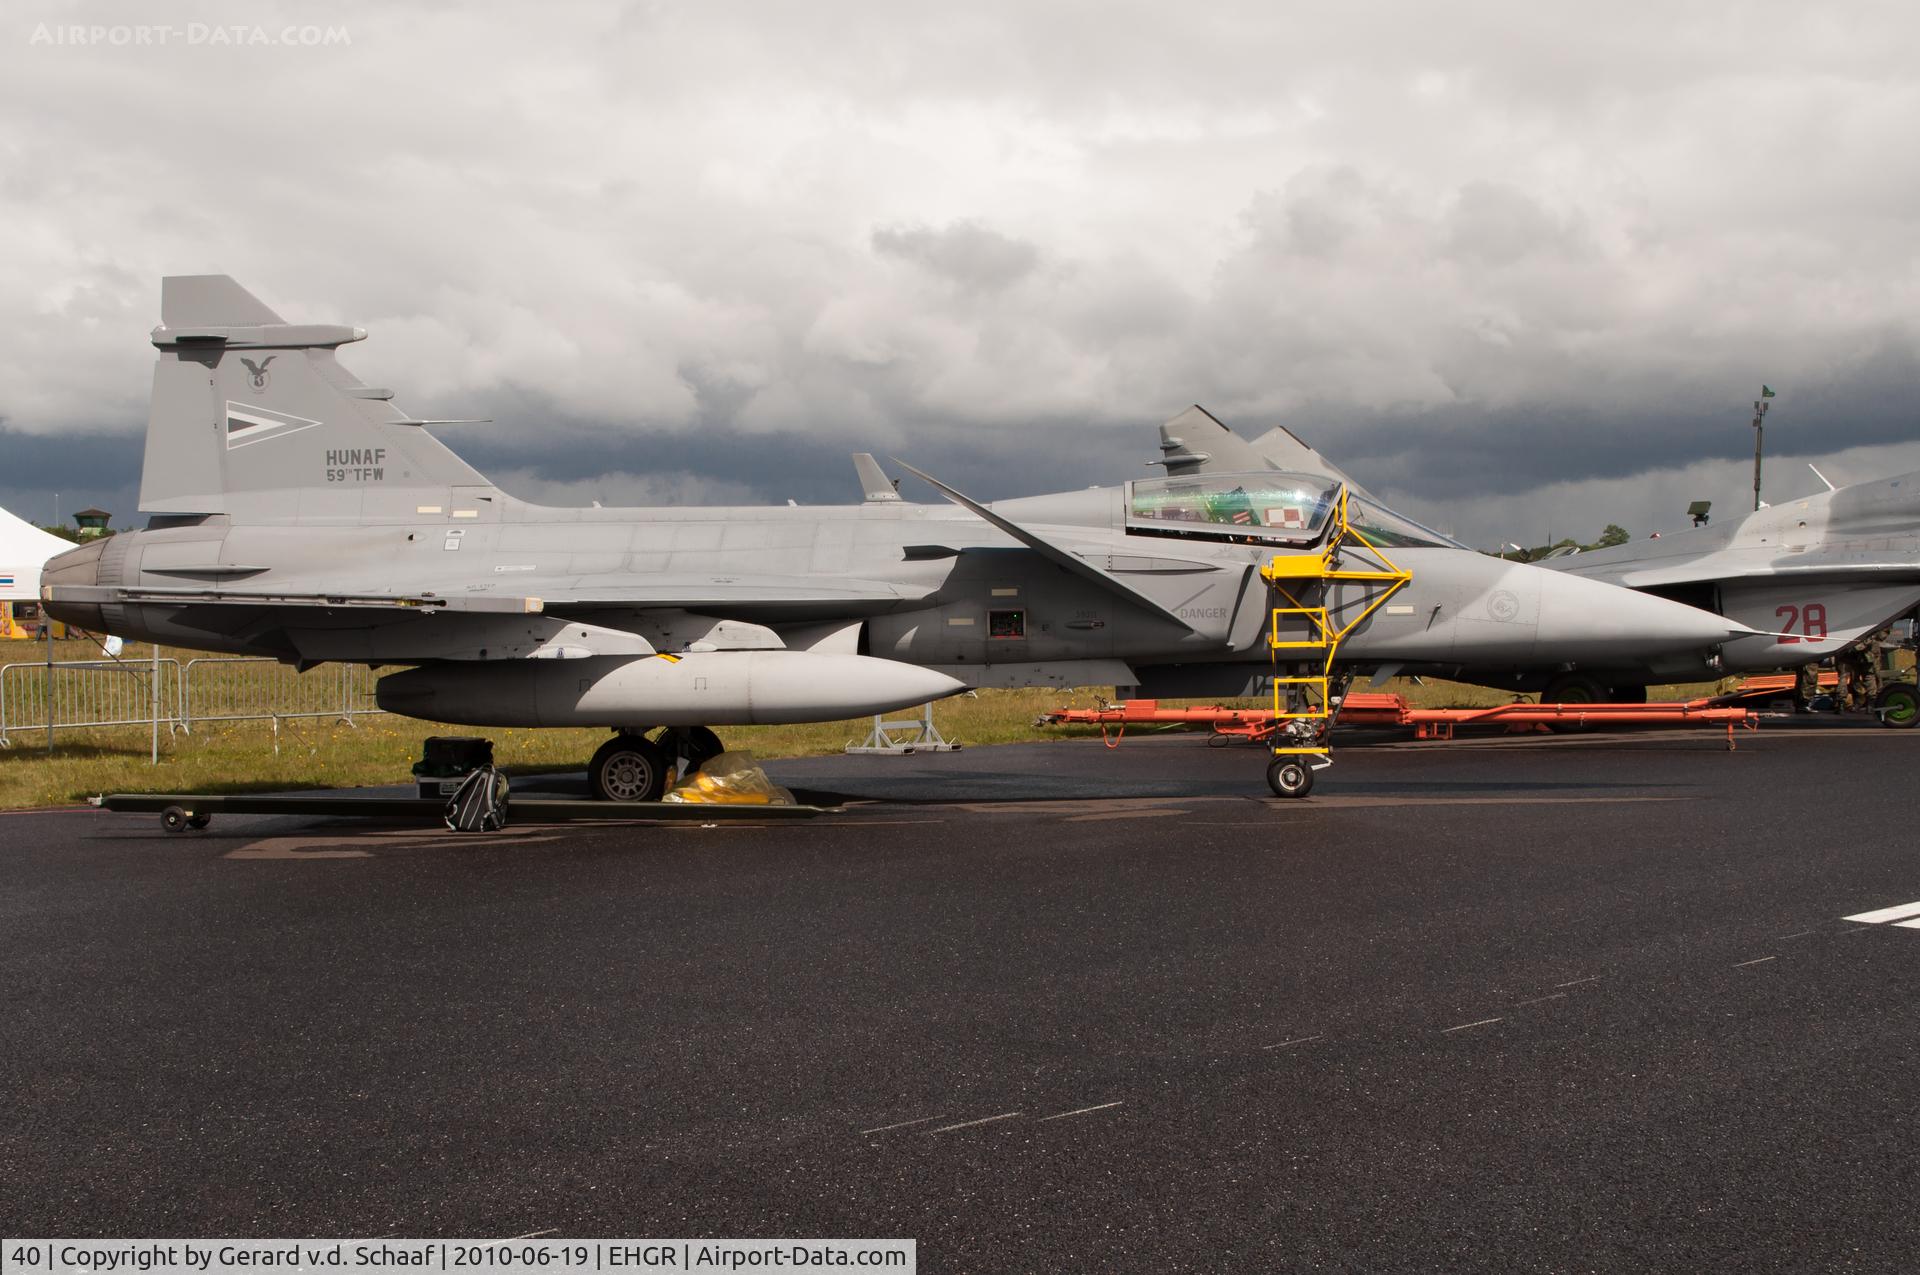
(300, 514)
(1814, 574)
(927, 585)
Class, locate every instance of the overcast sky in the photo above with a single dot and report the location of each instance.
(1519, 267)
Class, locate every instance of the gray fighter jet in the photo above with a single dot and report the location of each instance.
(298, 513)
(1813, 575)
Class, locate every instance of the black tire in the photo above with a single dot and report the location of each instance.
(174, 820)
(1289, 777)
(1898, 705)
(198, 822)
(1574, 688)
(702, 746)
(1627, 695)
(629, 768)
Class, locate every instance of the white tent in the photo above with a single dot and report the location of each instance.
(24, 549)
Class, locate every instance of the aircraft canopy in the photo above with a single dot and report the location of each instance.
(1267, 507)
(1270, 506)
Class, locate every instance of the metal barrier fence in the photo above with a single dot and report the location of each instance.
(51, 696)
(91, 693)
(237, 689)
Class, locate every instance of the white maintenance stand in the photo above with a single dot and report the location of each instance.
(917, 735)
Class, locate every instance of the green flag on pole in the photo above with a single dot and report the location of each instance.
(1766, 391)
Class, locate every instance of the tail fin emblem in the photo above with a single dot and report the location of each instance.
(249, 425)
(259, 371)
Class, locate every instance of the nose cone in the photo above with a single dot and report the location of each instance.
(1586, 620)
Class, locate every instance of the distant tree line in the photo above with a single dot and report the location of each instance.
(1612, 534)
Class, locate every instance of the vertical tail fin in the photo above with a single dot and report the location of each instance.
(878, 489)
(254, 417)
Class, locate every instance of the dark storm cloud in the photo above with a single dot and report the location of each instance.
(73, 470)
(721, 465)
(1460, 452)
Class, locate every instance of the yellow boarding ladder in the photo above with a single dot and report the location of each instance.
(1312, 643)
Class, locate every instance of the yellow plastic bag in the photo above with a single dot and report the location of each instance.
(731, 779)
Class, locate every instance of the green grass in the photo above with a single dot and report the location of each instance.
(380, 749)
(242, 756)
(252, 757)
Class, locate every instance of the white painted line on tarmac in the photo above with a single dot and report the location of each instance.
(1802, 934)
(1758, 960)
(1882, 915)
(1556, 996)
(1908, 925)
(1081, 1112)
(1591, 978)
(1298, 1040)
(530, 1235)
(902, 1125)
(1463, 1026)
(968, 1124)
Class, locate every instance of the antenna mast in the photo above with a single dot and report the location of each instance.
(1760, 406)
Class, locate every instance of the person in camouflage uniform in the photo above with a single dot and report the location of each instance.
(1806, 685)
(1859, 668)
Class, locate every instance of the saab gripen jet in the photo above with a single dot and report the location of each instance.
(1813, 576)
(298, 513)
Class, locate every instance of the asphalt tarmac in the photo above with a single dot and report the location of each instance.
(1560, 1003)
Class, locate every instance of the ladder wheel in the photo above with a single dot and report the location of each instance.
(1289, 777)
(1899, 705)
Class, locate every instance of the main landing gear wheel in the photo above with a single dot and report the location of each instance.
(629, 768)
(702, 746)
(1898, 705)
(1573, 688)
(1289, 777)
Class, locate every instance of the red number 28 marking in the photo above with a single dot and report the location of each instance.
(1812, 619)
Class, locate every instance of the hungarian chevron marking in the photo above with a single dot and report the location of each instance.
(247, 425)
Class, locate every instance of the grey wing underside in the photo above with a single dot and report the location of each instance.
(739, 596)
(742, 596)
